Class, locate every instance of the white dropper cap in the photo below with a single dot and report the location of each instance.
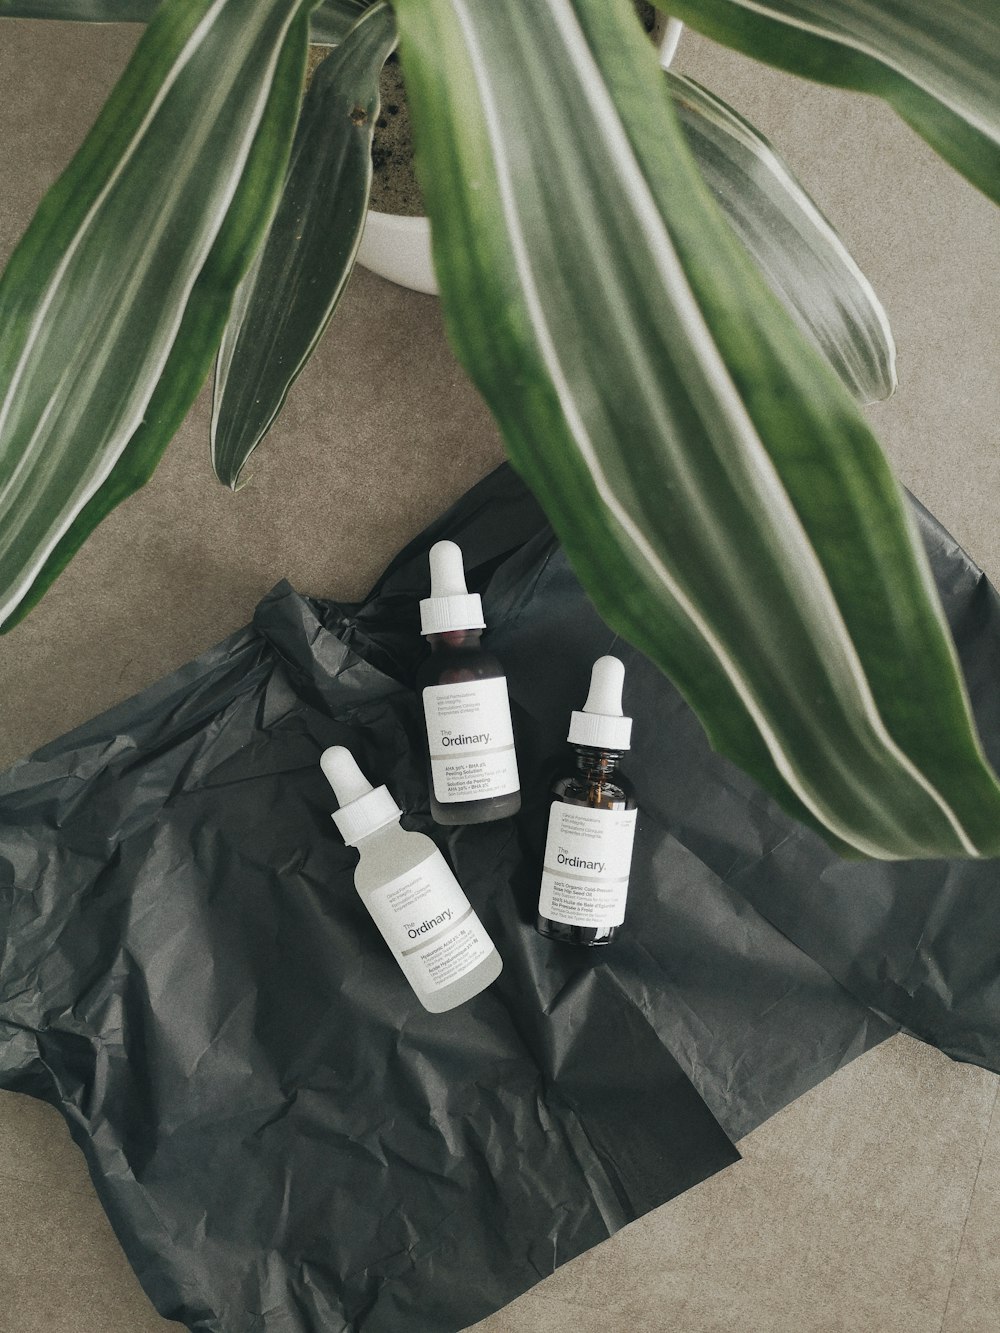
(363, 809)
(450, 606)
(601, 724)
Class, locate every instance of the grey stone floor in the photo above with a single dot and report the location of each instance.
(868, 1206)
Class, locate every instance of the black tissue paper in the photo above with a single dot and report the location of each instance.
(283, 1138)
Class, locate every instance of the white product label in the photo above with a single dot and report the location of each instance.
(585, 871)
(471, 740)
(429, 925)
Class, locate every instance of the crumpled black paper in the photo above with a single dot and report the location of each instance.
(283, 1138)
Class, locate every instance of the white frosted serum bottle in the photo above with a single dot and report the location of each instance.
(588, 848)
(470, 739)
(408, 887)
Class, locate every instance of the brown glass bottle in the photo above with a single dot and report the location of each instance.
(588, 845)
(457, 658)
(594, 784)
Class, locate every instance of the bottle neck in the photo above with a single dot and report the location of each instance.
(455, 638)
(597, 765)
(390, 829)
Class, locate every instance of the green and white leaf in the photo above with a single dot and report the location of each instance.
(204, 319)
(287, 298)
(84, 11)
(937, 63)
(331, 19)
(804, 261)
(715, 485)
(93, 298)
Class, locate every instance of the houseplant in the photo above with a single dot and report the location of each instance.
(711, 478)
(396, 242)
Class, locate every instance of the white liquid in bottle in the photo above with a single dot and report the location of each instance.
(408, 887)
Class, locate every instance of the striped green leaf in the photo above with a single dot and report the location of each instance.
(714, 483)
(205, 317)
(803, 260)
(937, 63)
(331, 19)
(95, 297)
(85, 11)
(286, 300)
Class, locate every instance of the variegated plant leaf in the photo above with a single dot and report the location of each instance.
(803, 260)
(205, 316)
(286, 300)
(935, 63)
(330, 21)
(714, 483)
(95, 294)
(84, 11)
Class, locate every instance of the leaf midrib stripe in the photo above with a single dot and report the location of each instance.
(90, 371)
(634, 183)
(636, 187)
(787, 182)
(843, 38)
(184, 58)
(112, 454)
(222, 447)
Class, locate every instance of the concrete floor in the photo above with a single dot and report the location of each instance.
(868, 1206)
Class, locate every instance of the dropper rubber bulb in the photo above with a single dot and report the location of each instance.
(447, 570)
(607, 680)
(450, 606)
(340, 769)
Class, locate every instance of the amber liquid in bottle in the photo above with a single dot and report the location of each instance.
(594, 784)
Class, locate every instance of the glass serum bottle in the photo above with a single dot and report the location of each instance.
(470, 738)
(588, 849)
(408, 887)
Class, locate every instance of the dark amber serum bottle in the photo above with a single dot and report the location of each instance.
(470, 739)
(588, 850)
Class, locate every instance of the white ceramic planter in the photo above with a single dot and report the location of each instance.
(399, 248)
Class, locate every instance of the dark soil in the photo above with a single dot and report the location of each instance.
(647, 14)
(394, 182)
(316, 56)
